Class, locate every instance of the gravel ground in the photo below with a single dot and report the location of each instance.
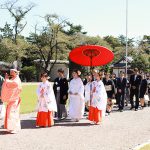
(119, 131)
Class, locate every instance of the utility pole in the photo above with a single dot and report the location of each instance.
(126, 35)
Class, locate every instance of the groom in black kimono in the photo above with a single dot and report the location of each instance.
(61, 93)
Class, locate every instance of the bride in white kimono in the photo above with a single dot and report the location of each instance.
(46, 103)
(76, 97)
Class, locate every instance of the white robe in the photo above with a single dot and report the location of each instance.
(99, 98)
(48, 101)
(76, 102)
(88, 90)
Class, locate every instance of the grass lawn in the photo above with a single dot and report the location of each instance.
(146, 147)
(29, 98)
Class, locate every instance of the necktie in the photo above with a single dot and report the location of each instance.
(121, 79)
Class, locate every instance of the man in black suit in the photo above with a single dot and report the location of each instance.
(135, 81)
(121, 83)
(61, 93)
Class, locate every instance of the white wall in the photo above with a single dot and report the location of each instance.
(65, 67)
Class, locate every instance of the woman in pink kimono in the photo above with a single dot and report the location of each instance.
(10, 94)
(46, 103)
(99, 100)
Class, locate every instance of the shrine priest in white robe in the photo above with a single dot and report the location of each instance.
(46, 103)
(76, 97)
(99, 100)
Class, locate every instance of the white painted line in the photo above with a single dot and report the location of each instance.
(142, 145)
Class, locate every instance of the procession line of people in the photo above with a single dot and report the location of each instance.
(95, 94)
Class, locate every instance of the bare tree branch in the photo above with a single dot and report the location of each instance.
(18, 13)
(22, 28)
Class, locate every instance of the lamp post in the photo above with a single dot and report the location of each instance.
(126, 35)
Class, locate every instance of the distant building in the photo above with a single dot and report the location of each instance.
(64, 64)
(120, 66)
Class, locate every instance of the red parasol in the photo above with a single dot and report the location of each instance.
(91, 55)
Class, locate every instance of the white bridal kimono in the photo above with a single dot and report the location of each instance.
(48, 101)
(99, 98)
(88, 90)
(76, 102)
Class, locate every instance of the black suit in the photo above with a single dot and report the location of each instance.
(143, 88)
(134, 89)
(121, 85)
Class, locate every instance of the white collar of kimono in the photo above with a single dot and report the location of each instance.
(45, 82)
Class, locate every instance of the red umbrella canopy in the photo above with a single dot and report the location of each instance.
(91, 55)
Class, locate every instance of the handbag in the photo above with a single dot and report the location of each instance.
(146, 97)
(108, 87)
(113, 101)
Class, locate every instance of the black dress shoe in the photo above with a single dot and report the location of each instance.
(120, 109)
(136, 109)
(131, 108)
(108, 112)
(86, 109)
(142, 107)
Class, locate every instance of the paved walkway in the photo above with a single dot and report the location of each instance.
(119, 131)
